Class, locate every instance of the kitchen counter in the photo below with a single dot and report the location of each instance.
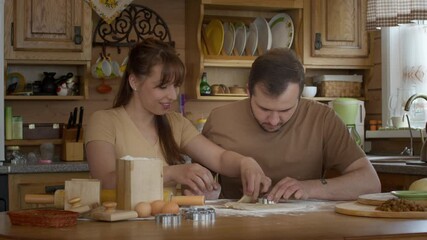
(54, 167)
(324, 224)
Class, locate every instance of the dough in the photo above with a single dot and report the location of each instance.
(246, 199)
(264, 207)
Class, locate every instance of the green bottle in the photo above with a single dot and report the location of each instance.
(205, 89)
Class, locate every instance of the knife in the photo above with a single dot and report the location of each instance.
(79, 125)
(70, 120)
(74, 117)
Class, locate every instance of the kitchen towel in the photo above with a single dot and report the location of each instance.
(108, 10)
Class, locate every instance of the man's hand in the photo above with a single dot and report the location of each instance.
(287, 188)
(253, 178)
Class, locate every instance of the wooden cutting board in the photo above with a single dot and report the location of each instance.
(375, 199)
(357, 209)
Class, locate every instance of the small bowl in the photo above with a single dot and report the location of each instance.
(309, 91)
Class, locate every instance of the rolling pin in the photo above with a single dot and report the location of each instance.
(189, 200)
(56, 199)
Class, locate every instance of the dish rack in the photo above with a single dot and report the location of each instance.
(43, 218)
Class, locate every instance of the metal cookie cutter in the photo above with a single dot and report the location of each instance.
(168, 219)
(264, 200)
(200, 214)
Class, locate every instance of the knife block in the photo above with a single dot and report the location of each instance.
(72, 150)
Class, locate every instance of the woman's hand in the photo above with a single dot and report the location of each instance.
(194, 176)
(209, 195)
(253, 178)
(287, 188)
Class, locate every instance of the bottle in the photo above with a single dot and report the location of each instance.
(200, 123)
(205, 89)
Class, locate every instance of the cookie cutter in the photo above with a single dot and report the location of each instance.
(168, 219)
(200, 214)
(264, 200)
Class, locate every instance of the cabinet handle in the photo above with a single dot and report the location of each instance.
(318, 41)
(78, 39)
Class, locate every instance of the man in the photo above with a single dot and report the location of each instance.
(296, 141)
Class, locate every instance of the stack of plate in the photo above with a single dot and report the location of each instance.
(237, 39)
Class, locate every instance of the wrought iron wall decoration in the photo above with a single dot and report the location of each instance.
(134, 24)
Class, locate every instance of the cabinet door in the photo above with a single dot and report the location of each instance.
(48, 29)
(47, 24)
(336, 32)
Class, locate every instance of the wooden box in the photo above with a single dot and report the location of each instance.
(42, 130)
(138, 180)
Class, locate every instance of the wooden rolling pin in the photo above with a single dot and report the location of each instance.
(189, 200)
(57, 199)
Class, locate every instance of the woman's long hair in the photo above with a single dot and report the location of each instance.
(141, 60)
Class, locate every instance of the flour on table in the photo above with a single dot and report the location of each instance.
(290, 207)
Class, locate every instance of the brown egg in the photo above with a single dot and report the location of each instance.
(143, 209)
(156, 206)
(170, 207)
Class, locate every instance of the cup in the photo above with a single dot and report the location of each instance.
(399, 122)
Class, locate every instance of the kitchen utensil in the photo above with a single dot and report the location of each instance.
(109, 213)
(73, 124)
(240, 39)
(167, 220)
(189, 200)
(88, 190)
(206, 214)
(229, 38)
(264, 35)
(357, 209)
(215, 34)
(80, 124)
(282, 31)
(410, 195)
(252, 40)
(56, 199)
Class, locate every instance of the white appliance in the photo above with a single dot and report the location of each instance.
(360, 120)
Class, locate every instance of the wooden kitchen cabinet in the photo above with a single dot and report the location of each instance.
(334, 34)
(394, 181)
(224, 69)
(35, 183)
(48, 30)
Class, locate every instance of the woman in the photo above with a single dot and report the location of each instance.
(141, 124)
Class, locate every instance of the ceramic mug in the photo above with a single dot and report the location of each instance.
(399, 122)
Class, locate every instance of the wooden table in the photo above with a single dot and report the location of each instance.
(305, 225)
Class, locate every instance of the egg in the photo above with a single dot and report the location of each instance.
(170, 207)
(156, 206)
(143, 209)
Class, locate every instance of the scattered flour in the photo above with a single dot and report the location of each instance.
(290, 207)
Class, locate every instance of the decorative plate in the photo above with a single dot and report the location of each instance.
(252, 40)
(264, 35)
(410, 195)
(15, 82)
(240, 40)
(215, 36)
(229, 38)
(282, 30)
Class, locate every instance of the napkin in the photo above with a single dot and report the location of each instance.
(108, 10)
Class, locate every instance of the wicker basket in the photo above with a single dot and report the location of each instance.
(339, 85)
(43, 218)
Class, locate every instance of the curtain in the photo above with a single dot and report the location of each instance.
(386, 13)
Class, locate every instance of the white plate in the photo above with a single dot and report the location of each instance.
(252, 40)
(264, 35)
(240, 40)
(229, 38)
(282, 30)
